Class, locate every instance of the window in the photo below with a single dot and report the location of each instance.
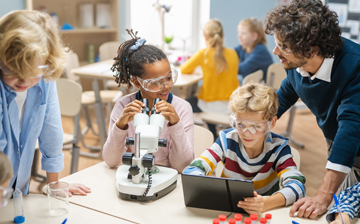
(183, 22)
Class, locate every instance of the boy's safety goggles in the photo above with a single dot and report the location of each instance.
(254, 127)
(5, 195)
(157, 84)
(44, 70)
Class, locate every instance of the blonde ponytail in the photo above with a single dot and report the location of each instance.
(214, 32)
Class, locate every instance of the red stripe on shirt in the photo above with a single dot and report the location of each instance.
(266, 167)
(286, 164)
(234, 167)
(216, 157)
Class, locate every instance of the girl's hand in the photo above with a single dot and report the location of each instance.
(252, 205)
(129, 112)
(168, 111)
(78, 189)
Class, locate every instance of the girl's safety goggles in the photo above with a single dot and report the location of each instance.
(157, 84)
(254, 127)
(5, 195)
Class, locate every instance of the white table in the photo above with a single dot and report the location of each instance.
(170, 208)
(37, 212)
(103, 198)
(101, 70)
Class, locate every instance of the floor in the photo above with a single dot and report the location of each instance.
(305, 130)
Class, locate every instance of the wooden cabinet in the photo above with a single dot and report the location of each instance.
(79, 39)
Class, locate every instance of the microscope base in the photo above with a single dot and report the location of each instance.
(163, 183)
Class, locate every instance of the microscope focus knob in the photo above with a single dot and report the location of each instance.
(148, 160)
(130, 141)
(127, 158)
(162, 142)
(134, 170)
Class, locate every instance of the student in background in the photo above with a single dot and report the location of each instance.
(249, 151)
(219, 66)
(252, 50)
(349, 203)
(6, 173)
(31, 58)
(148, 68)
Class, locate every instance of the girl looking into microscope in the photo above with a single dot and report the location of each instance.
(147, 68)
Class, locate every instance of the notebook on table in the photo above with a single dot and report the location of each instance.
(215, 193)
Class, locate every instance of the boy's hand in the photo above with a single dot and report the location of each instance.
(338, 219)
(78, 189)
(129, 112)
(168, 111)
(252, 205)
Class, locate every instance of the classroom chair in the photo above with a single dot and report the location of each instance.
(108, 50)
(69, 93)
(108, 97)
(275, 75)
(203, 139)
(256, 77)
(296, 157)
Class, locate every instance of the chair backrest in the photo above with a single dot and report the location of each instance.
(108, 50)
(203, 139)
(275, 75)
(256, 77)
(72, 62)
(296, 157)
(69, 93)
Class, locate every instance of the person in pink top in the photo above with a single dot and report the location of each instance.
(147, 68)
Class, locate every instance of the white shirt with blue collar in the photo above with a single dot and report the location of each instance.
(41, 121)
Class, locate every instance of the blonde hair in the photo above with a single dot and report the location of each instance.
(25, 38)
(6, 171)
(214, 32)
(254, 26)
(256, 98)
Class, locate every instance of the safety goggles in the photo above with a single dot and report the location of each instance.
(5, 195)
(157, 84)
(285, 50)
(254, 127)
(44, 70)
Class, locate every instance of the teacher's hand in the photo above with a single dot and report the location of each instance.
(311, 207)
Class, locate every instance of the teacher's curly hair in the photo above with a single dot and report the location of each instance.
(132, 55)
(305, 24)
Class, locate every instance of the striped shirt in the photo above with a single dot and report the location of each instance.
(273, 169)
(349, 202)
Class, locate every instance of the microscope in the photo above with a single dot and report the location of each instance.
(138, 179)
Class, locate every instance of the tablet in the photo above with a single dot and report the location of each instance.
(215, 193)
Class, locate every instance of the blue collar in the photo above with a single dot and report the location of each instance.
(139, 97)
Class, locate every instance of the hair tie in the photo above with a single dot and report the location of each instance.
(138, 43)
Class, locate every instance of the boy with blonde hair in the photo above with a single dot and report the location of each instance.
(249, 151)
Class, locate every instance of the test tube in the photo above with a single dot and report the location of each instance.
(216, 221)
(222, 219)
(263, 220)
(18, 206)
(232, 221)
(253, 218)
(238, 218)
(247, 221)
(268, 217)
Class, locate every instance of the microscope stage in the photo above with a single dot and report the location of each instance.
(162, 183)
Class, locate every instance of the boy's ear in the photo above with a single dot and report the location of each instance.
(135, 82)
(273, 121)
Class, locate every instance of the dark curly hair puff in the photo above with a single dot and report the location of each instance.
(127, 64)
(304, 24)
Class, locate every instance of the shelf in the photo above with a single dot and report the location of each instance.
(89, 30)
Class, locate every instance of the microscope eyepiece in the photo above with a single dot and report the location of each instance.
(145, 110)
(153, 111)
